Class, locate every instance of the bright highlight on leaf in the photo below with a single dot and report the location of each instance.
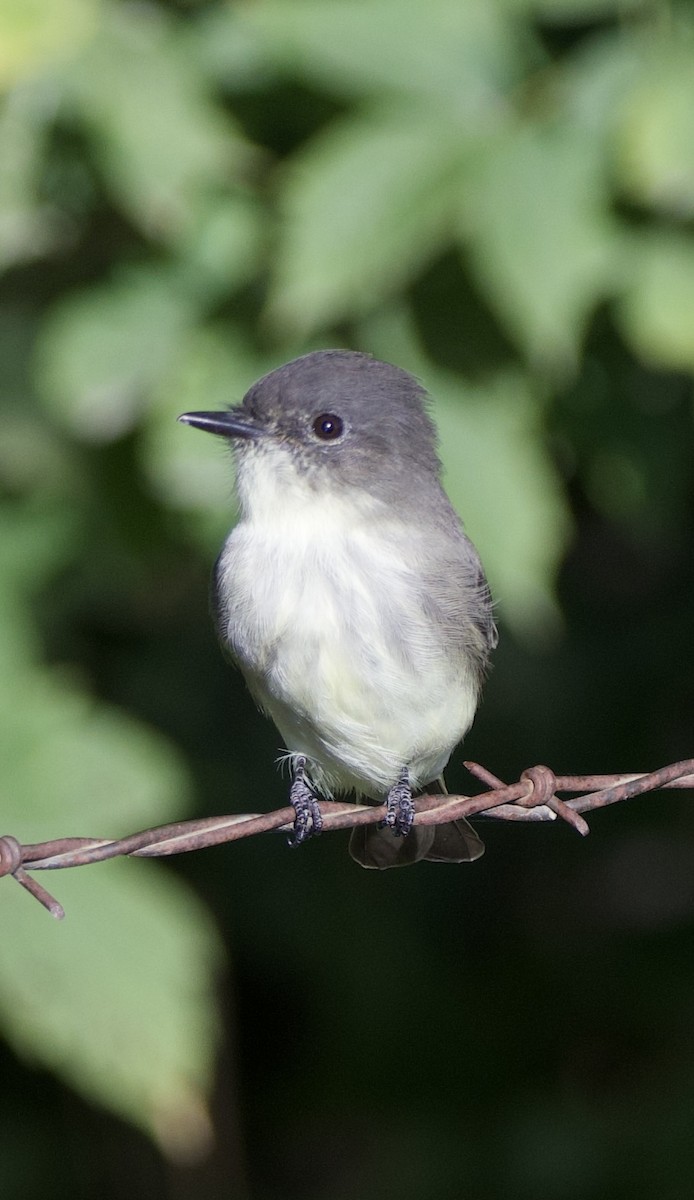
(35, 36)
(657, 308)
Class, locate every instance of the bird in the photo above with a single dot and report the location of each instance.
(350, 596)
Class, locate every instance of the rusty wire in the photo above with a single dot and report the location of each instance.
(533, 798)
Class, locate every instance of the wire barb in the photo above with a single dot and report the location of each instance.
(11, 852)
(533, 798)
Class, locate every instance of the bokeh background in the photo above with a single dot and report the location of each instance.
(499, 196)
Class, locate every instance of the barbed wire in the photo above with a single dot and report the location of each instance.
(533, 798)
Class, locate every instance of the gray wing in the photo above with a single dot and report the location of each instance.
(485, 617)
(459, 593)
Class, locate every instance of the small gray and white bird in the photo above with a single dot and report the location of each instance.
(350, 596)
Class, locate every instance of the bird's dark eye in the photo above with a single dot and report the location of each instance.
(328, 427)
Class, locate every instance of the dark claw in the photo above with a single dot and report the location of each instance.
(399, 806)
(405, 817)
(308, 821)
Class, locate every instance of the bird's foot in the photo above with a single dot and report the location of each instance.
(399, 806)
(308, 820)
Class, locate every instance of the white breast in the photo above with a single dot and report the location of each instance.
(321, 604)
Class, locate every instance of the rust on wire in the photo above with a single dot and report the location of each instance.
(533, 798)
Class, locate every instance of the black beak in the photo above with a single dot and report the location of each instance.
(226, 424)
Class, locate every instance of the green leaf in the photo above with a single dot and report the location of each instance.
(656, 310)
(595, 83)
(64, 758)
(464, 52)
(118, 999)
(49, 531)
(28, 229)
(364, 205)
(502, 482)
(535, 221)
(192, 472)
(35, 35)
(222, 249)
(497, 474)
(35, 461)
(102, 351)
(19, 643)
(230, 51)
(655, 146)
(162, 142)
(574, 11)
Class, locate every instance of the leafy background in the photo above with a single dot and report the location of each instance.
(499, 196)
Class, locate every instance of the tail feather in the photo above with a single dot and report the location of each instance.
(378, 849)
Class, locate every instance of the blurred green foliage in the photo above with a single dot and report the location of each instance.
(497, 195)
